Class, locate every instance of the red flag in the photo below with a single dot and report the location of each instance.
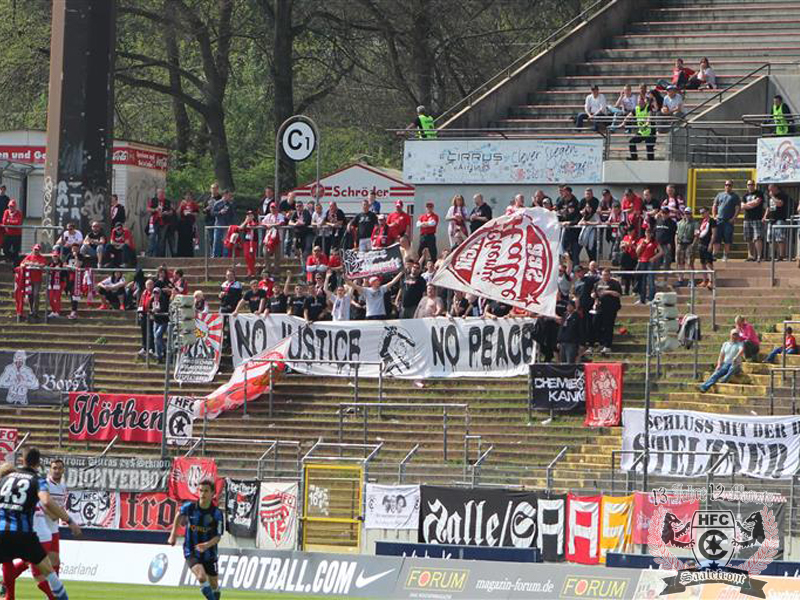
(583, 529)
(186, 475)
(232, 394)
(644, 506)
(22, 287)
(603, 394)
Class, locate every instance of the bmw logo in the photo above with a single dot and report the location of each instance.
(158, 567)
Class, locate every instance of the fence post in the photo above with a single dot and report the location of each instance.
(530, 393)
(794, 391)
(771, 254)
(355, 387)
(209, 248)
(771, 392)
(713, 300)
(244, 414)
(271, 365)
(444, 432)
(147, 339)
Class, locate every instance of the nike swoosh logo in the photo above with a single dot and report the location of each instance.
(362, 581)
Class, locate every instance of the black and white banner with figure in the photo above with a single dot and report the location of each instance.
(42, 377)
(384, 261)
(761, 447)
(241, 504)
(561, 388)
(392, 507)
(180, 419)
(198, 362)
(94, 508)
(477, 517)
(121, 474)
(751, 526)
(407, 348)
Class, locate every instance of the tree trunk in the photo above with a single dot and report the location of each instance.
(422, 61)
(183, 127)
(282, 76)
(218, 138)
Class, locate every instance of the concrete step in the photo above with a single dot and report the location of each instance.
(577, 95)
(754, 10)
(615, 81)
(753, 26)
(782, 48)
(688, 39)
(647, 70)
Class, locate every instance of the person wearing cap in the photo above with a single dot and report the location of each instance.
(427, 223)
(120, 250)
(705, 237)
(364, 222)
(400, 222)
(383, 235)
(374, 295)
(753, 208)
(12, 241)
(686, 233)
(35, 261)
(317, 263)
(480, 214)
(725, 209)
(424, 124)
(729, 361)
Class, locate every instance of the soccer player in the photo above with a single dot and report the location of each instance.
(19, 493)
(204, 526)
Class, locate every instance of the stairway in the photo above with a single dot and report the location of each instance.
(736, 36)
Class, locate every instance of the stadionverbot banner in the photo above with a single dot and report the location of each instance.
(43, 377)
(392, 506)
(761, 447)
(198, 362)
(408, 348)
(118, 473)
(512, 259)
(383, 261)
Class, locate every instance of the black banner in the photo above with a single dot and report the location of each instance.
(383, 261)
(551, 523)
(560, 387)
(119, 474)
(477, 517)
(241, 504)
(42, 377)
(751, 527)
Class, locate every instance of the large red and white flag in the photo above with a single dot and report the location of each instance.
(512, 259)
(254, 372)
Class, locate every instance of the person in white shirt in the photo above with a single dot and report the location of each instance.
(273, 221)
(339, 300)
(704, 79)
(44, 523)
(67, 239)
(373, 295)
(624, 107)
(595, 108)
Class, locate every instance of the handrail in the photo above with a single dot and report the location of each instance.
(549, 470)
(401, 468)
(782, 371)
(477, 464)
(191, 450)
(108, 447)
(21, 442)
(505, 74)
(695, 109)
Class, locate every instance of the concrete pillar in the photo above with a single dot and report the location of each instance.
(80, 117)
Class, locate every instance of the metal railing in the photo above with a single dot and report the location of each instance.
(790, 245)
(365, 407)
(552, 466)
(505, 74)
(641, 455)
(401, 468)
(718, 97)
(767, 122)
(782, 371)
(783, 339)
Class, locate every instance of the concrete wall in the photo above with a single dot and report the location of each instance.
(788, 86)
(534, 74)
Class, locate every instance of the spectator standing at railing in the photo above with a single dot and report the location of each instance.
(301, 226)
(645, 131)
(188, 210)
(374, 295)
(595, 108)
(400, 222)
(777, 214)
(4, 199)
(605, 204)
(278, 302)
(364, 223)
(230, 294)
(67, 239)
(255, 299)
(480, 214)
(162, 225)
(424, 124)
(427, 223)
(160, 311)
(781, 116)
(457, 219)
(614, 228)
(570, 216)
(628, 257)
(297, 301)
(116, 211)
(321, 230)
(729, 361)
(753, 208)
(569, 335)
(665, 236)
(649, 253)
(374, 205)
(687, 232)
(383, 235)
(143, 314)
(120, 250)
(430, 305)
(724, 210)
(411, 291)
(224, 215)
(267, 200)
(517, 203)
(608, 296)
(336, 220)
(673, 203)
(704, 79)
(57, 278)
(789, 347)
(272, 222)
(35, 262)
(12, 239)
(587, 238)
(316, 304)
(705, 237)
(248, 232)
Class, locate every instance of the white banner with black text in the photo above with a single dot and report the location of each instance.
(392, 507)
(408, 348)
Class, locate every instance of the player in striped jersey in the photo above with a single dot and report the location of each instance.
(204, 528)
(19, 493)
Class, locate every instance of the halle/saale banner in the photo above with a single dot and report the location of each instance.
(761, 447)
(198, 362)
(408, 348)
(134, 418)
